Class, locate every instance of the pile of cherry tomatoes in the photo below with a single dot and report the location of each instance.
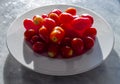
(60, 34)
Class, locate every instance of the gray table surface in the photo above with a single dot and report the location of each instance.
(11, 72)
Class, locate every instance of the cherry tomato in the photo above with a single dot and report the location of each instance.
(57, 11)
(81, 23)
(55, 17)
(28, 24)
(65, 18)
(38, 47)
(71, 10)
(90, 32)
(66, 41)
(88, 42)
(88, 16)
(44, 34)
(49, 23)
(70, 31)
(44, 16)
(77, 45)
(67, 52)
(35, 38)
(29, 33)
(57, 35)
(53, 51)
(38, 20)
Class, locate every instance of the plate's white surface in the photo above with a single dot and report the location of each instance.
(23, 53)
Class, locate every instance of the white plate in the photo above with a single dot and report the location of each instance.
(24, 54)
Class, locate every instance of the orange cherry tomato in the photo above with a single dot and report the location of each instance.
(44, 34)
(57, 35)
(71, 10)
(55, 17)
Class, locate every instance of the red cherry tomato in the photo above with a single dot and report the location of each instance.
(44, 16)
(65, 18)
(88, 16)
(88, 42)
(77, 45)
(44, 34)
(71, 10)
(57, 11)
(57, 35)
(49, 23)
(67, 52)
(66, 41)
(28, 24)
(53, 51)
(55, 17)
(90, 32)
(29, 33)
(38, 47)
(35, 38)
(81, 23)
(70, 31)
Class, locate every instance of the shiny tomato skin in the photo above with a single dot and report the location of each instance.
(65, 18)
(38, 47)
(53, 51)
(44, 16)
(92, 32)
(71, 10)
(49, 23)
(29, 33)
(56, 36)
(44, 34)
(77, 45)
(57, 11)
(67, 52)
(28, 23)
(89, 42)
(70, 31)
(88, 16)
(38, 20)
(81, 23)
(55, 17)
(35, 38)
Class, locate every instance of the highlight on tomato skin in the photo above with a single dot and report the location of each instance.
(88, 42)
(66, 52)
(57, 11)
(53, 50)
(77, 45)
(44, 15)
